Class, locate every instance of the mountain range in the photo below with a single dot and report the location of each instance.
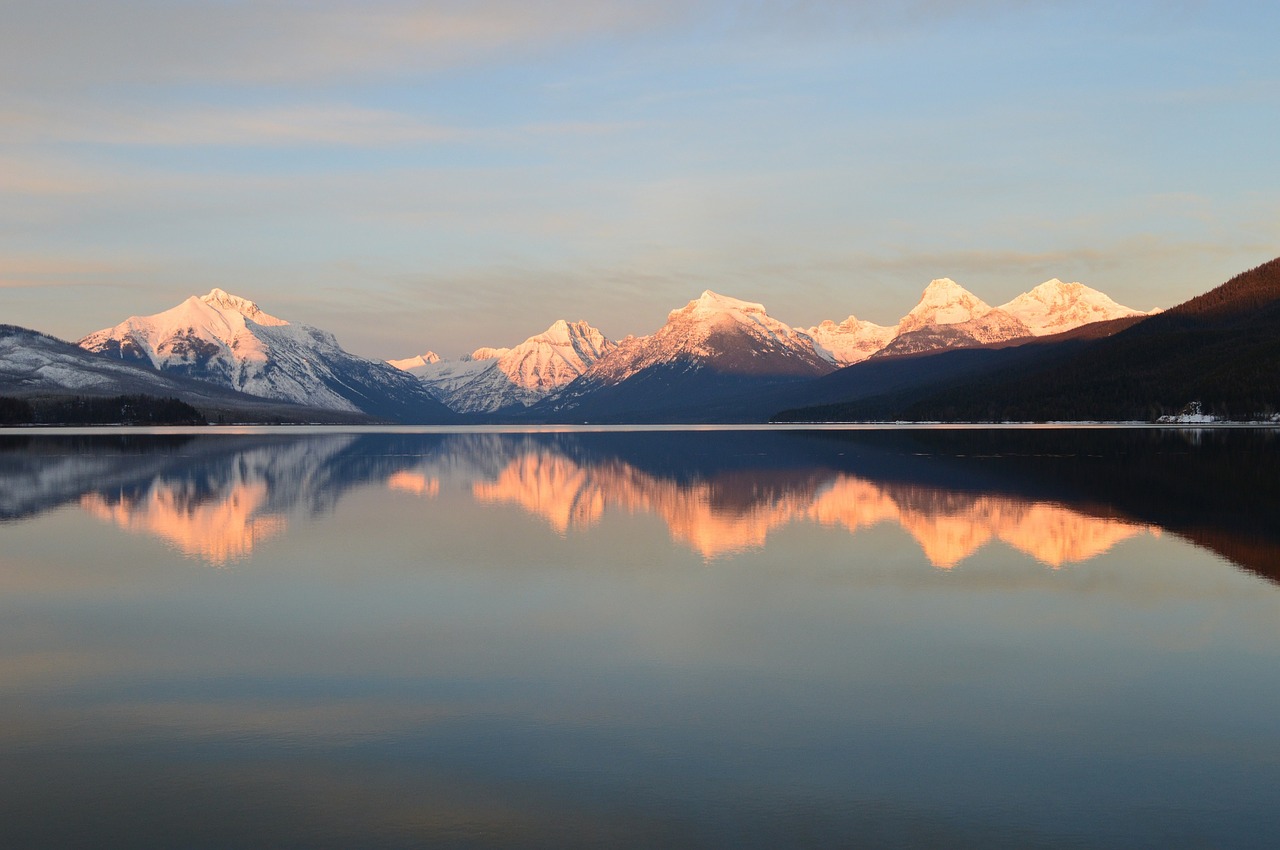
(717, 359)
(1218, 353)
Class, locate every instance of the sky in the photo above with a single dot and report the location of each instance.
(446, 175)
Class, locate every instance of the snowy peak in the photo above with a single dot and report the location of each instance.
(227, 340)
(950, 316)
(712, 304)
(850, 341)
(486, 353)
(578, 335)
(490, 379)
(735, 336)
(547, 361)
(415, 361)
(944, 302)
(224, 301)
(1054, 307)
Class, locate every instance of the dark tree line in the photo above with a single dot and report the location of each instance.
(90, 410)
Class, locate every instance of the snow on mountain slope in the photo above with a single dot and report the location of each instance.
(230, 341)
(32, 363)
(415, 361)
(950, 316)
(850, 341)
(1054, 307)
(35, 365)
(490, 379)
(733, 336)
(945, 302)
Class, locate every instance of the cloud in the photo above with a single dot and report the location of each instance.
(40, 176)
(84, 44)
(88, 45)
(287, 125)
(332, 124)
(23, 272)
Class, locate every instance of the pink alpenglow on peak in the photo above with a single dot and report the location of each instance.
(485, 353)
(850, 341)
(944, 302)
(1054, 307)
(740, 337)
(227, 303)
(414, 362)
(950, 316)
(227, 340)
(490, 379)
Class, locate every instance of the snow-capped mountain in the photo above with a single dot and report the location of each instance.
(491, 379)
(229, 341)
(35, 365)
(852, 340)
(729, 335)
(712, 346)
(950, 316)
(1054, 307)
(416, 361)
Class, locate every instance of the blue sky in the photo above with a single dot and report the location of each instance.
(447, 175)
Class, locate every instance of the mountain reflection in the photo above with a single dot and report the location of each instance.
(223, 529)
(1061, 498)
(732, 513)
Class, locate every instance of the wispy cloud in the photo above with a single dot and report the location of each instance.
(333, 124)
(287, 125)
(67, 44)
(33, 175)
(27, 271)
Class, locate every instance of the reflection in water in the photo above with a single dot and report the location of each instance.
(416, 659)
(216, 497)
(415, 483)
(217, 529)
(717, 516)
(733, 513)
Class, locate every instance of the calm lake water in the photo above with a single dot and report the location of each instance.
(911, 638)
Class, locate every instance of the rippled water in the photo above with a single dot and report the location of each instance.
(915, 638)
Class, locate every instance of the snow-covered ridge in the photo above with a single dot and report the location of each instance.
(850, 341)
(1054, 307)
(740, 337)
(737, 336)
(944, 302)
(230, 341)
(490, 379)
(415, 361)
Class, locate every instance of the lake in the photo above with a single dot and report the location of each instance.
(1038, 637)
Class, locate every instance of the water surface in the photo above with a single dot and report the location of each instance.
(1030, 638)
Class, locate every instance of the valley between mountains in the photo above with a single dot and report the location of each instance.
(1061, 351)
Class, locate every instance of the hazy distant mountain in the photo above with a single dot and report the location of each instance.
(227, 340)
(416, 361)
(493, 379)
